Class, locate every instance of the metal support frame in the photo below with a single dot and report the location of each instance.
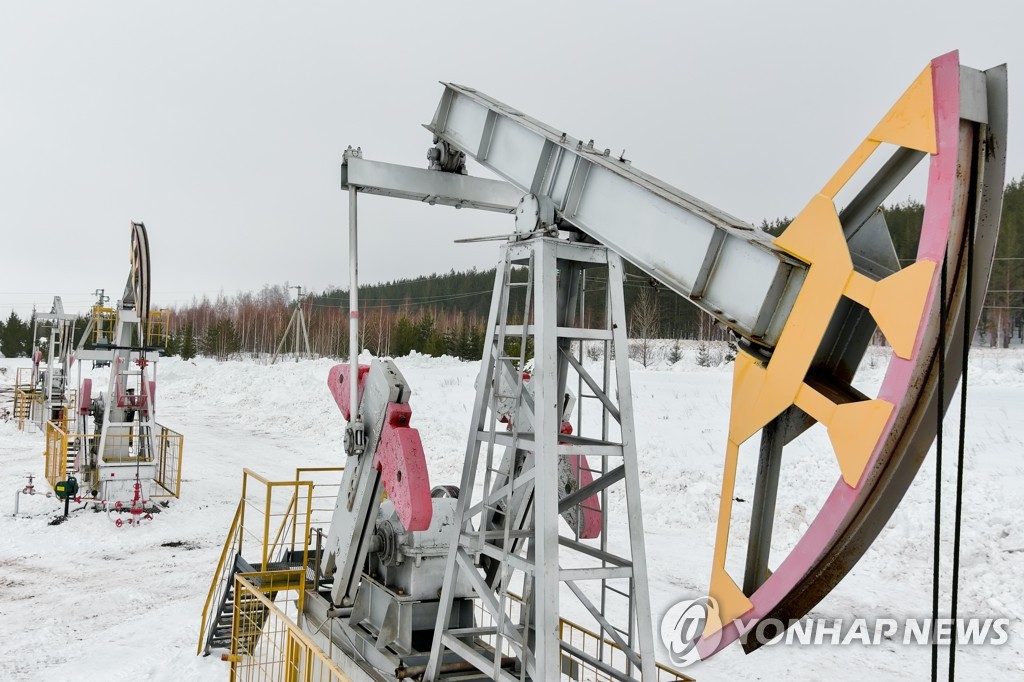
(122, 357)
(428, 186)
(522, 496)
(59, 358)
(762, 517)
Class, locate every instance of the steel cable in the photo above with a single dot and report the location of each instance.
(954, 597)
(939, 411)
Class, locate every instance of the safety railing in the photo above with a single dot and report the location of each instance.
(21, 407)
(577, 637)
(484, 619)
(605, 650)
(221, 581)
(157, 325)
(56, 453)
(62, 445)
(266, 642)
(275, 515)
(64, 418)
(28, 401)
(104, 324)
(272, 527)
(169, 446)
(28, 408)
(326, 484)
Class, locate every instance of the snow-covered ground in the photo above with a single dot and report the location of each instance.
(85, 599)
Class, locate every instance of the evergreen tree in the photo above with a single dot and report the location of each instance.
(465, 349)
(16, 338)
(188, 343)
(452, 340)
(703, 354)
(404, 338)
(732, 348)
(221, 340)
(424, 330)
(173, 345)
(435, 345)
(676, 353)
(474, 349)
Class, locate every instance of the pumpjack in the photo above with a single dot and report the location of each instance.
(43, 391)
(119, 453)
(473, 581)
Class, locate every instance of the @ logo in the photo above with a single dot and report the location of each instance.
(683, 625)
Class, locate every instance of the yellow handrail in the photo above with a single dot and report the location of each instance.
(217, 579)
(170, 449)
(56, 453)
(249, 473)
(104, 322)
(284, 522)
(284, 651)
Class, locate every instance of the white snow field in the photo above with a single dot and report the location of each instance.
(87, 600)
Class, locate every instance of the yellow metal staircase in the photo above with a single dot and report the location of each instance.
(269, 546)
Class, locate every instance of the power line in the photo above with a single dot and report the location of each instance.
(404, 299)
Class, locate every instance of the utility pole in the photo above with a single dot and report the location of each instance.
(299, 331)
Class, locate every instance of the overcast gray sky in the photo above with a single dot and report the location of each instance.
(221, 125)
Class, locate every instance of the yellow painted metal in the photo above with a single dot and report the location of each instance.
(732, 603)
(287, 524)
(326, 484)
(266, 525)
(56, 453)
(846, 171)
(157, 327)
(896, 302)
(28, 399)
(168, 455)
(220, 577)
(104, 323)
(170, 446)
(911, 121)
(28, 407)
(278, 581)
(266, 641)
(762, 391)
